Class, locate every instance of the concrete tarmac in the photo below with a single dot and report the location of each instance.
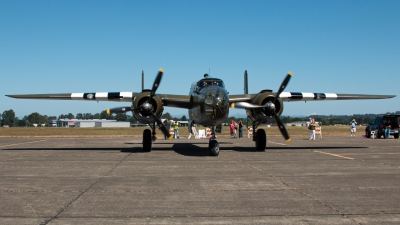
(333, 180)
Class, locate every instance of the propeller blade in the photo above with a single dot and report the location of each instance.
(156, 83)
(282, 128)
(283, 85)
(246, 105)
(118, 110)
(161, 126)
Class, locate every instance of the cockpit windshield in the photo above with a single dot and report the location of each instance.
(210, 82)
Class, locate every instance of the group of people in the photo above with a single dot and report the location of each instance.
(236, 126)
(175, 126)
(387, 126)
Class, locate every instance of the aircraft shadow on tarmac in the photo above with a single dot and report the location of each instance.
(186, 149)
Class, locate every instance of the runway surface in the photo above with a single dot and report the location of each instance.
(333, 180)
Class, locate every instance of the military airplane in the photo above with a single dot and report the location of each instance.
(208, 103)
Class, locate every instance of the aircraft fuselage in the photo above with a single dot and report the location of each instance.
(210, 102)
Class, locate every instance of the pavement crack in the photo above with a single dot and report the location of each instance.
(83, 192)
(296, 189)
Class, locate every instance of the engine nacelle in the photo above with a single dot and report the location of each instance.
(142, 106)
(265, 115)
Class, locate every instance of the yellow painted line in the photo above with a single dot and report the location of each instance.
(340, 156)
(276, 143)
(22, 143)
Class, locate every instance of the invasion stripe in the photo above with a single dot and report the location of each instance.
(296, 95)
(307, 96)
(103, 96)
(77, 96)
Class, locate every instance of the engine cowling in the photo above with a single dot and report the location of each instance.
(265, 115)
(143, 107)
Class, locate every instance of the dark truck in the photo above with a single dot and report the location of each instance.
(378, 125)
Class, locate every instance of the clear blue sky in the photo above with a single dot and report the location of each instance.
(349, 47)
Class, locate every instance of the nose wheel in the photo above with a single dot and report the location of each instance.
(213, 147)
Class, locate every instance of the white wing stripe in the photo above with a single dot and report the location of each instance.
(77, 96)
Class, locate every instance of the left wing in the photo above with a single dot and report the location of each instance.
(179, 101)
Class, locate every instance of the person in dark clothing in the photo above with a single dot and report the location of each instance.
(166, 125)
(240, 129)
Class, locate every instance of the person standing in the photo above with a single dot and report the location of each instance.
(353, 125)
(176, 130)
(312, 129)
(240, 129)
(387, 129)
(166, 125)
(233, 128)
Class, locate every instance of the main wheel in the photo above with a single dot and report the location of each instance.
(147, 140)
(396, 136)
(213, 147)
(261, 141)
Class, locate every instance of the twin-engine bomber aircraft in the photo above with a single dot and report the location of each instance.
(208, 103)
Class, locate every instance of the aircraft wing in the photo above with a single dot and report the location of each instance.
(179, 101)
(309, 96)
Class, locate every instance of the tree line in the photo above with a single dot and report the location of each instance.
(8, 118)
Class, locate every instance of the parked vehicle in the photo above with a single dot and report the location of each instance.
(378, 125)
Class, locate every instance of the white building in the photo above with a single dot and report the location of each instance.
(87, 123)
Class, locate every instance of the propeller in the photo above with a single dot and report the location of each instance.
(146, 106)
(118, 110)
(269, 106)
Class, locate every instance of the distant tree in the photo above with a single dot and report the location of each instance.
(50, 117)
(37, 118)
(166, 116)
(22, 122)
(121, 117)
(88, 116)
(79, 116)
(66, 116)
(183, 118)
(367, 120)
(104, 115)
(8, 118)
(96, 116)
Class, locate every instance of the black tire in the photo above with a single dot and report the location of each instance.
(147, 140)
(378, 134)
(367, 133)
(396, 136)
(261, 141)
(213, 148)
